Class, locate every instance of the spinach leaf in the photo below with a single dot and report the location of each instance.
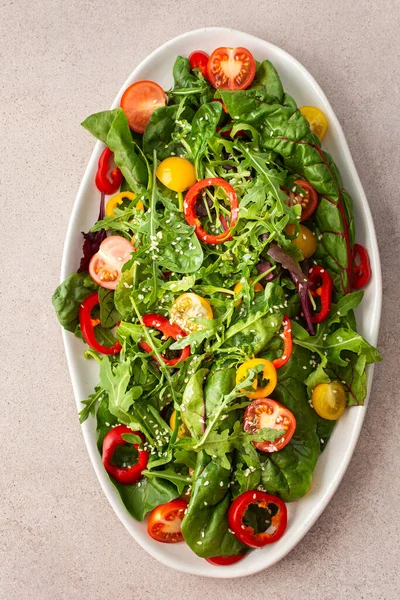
(205, 525)
(142, 497)
(288, 472)
(112, 128)
(69, 296)
(268, 77)
(160, 134)
(109, 316)
(219, 383)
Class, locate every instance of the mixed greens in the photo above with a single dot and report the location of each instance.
(183, 329)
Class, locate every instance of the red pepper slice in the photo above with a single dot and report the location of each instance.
(88, 324)
(103, 183)
(319, 275)
(245, 533)
(168, 330)
(112, 440)
(287, 344)
(224, 561)
(192, 219)
(362, 269)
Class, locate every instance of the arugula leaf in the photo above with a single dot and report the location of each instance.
(89, 405)
(116, 382)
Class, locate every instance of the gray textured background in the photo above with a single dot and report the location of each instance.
(60, 61)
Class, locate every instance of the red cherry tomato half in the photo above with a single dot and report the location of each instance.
(165, 522)
(139, 101)
(105, 266)
(267, 413)
(224, 561)
(231, 68)
(277, 517)
(308, 199)
(198, 60)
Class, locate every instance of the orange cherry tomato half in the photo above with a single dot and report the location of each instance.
(307, 199)
(224, 561)
(139, 101)
(165, 522)
(267, 413)
(105, 266)
(198, 60)
(231, 68)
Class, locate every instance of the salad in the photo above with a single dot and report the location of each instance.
(217, 292)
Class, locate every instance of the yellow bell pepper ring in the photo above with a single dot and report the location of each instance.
(268, 373)
(118, 199)
(182, 429)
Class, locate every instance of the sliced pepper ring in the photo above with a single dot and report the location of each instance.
(162, 324)
(317, 275)
(287, 344)
(114, 439)
(118, 199)
(189, 207)
(245, 533)
(88, 324)
(107, 183)
(361, 267)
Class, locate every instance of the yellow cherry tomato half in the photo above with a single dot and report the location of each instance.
(317, 119)
(176, 173)
(305, 240)
(118, 199)
(182, 430)
(268, 373)
(329, 400)
(188, 307)
(238, 287)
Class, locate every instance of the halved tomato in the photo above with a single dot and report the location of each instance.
(165, 522)
(266, 413)
(198, 60)
(231, 68)
(105, 266)
(308, 200)
(139, 101)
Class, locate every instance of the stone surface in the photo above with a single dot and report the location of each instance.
(60, 61)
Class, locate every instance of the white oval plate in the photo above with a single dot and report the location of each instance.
(333, 463)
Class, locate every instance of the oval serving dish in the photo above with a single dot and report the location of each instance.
(333, 462)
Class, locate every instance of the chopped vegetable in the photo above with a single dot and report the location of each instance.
(192, 219)
(317, 119)
(287, 344)
(118, 199)
(305, 240)
(198, 60)
(139, 101)
(307, 198)
(168, 330)
(318, 275)
(106, 265)
(126, 474)
(264, 382)
(329, 400)
(108, 179)
(189, 307)
(265, 413)
(88, 324)
(361, 267)
(231, 68)
(165, 522)
(176, 173)
(245, 525)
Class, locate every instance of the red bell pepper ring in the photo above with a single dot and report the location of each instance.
(319, 276)
(114, 439)
(88, 324)
(162, 324)
(102, 180)
(189, 207)
(224, 561)
(361, 267)
(245, 533)
(287, 344)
